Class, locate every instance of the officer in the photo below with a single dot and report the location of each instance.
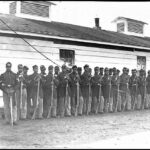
(51, 93)
(81, 101)
(133, 86)
(142, 87)
(106, 88)
(37, 97)
(148, 90)
(85, 87)
(18, 91)
(96, 81)
(115, 88)
(62, 87)
(74, 80)
(9, 85)
(56, 73)
(124, 87)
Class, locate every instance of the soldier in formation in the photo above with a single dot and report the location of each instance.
(71, 92)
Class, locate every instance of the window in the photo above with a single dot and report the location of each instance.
(141, 63)
(120, 27)
(135, 27)
(67, 56)
(34, 9)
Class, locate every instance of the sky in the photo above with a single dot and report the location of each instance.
(83, 12)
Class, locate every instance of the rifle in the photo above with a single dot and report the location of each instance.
(117, 97)
(126, 96)
(144, 94)
(76, 112)
(38, 88)
(99, 99)
(11, 109)
(135, 100)
(109, 103)
(88, 109)
(21, 94)
(52, 97)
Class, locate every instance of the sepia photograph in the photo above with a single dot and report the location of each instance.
(74, 74)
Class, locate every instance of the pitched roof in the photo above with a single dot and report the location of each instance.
(129, 19)
(70, 31)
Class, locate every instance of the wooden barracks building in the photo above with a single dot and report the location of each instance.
(128, 47)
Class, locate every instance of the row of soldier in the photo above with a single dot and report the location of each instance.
(71, 92)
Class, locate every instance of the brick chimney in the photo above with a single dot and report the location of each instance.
(97, 23)
(38, 10)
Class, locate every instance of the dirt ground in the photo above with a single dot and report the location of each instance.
(73, 131)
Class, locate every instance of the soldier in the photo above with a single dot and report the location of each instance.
(9, 85)
(142, 87)
(63, 89)
(133, 86)
(96, 81)
(85, 84)
(56, 73)
(18, 91)
(148, 90)
(74, 80)
(115, 83)
(36, 93)
(80, 108)
(51, 93)
(106, 88)
(124, 87)
(43, 78)
(23, 86)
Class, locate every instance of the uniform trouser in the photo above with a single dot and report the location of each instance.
(50, 104)
(21, 107)
(39, 104)
(29, 106)
(95, 104)
(101, 105)
(67, 106)
(73, 105)
(61, 106)
(80, 107)
(7, 108)
(133, 101)
(87, 105)
(147, 104)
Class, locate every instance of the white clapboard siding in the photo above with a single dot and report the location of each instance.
(19, 41)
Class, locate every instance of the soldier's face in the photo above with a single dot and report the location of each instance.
(56, 70)
(64, 69)
(107, 72)
(75, 70)
(50, 70)
(8, 68)
(35, 70)
(79, 71)
(25, 71)
(86, 68)
(134, 73)
(96, 71)
(20, 69)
